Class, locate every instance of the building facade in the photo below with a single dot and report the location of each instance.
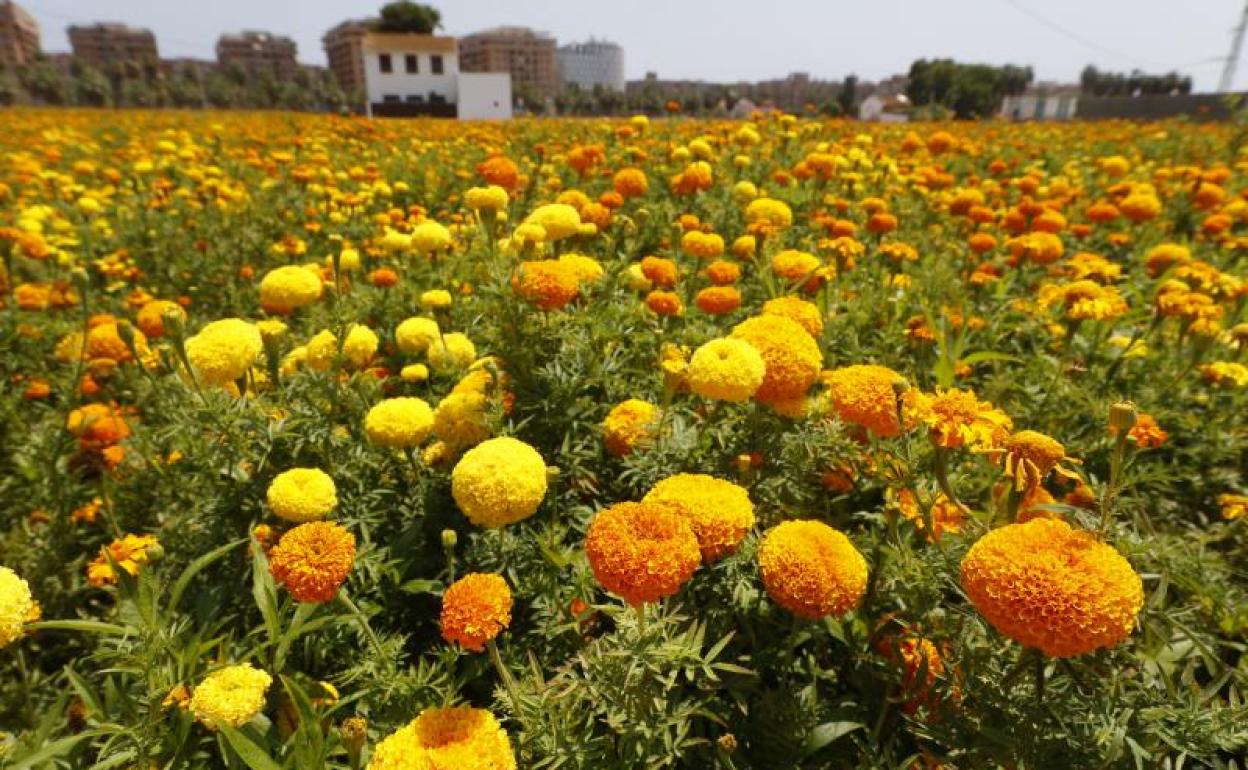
(105, 44)
(590, 64)
(344, 48)
(258, 53)
(19, 36)
(1043, 101)
(528, 56)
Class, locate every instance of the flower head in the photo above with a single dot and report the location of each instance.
(498, 482)
(16, 606)
(399, 423)
(475, 609)
(956, 418)
(224, 350)
(302, 494)
(1030, 456)
(719, 511)
(727, 369)
(629, 424)
(446, 739)
(288, 288)
(811, 569)
(791, 357)
(643, 552)
(415, 335)
(312, 560)
(130, 552)
(1051, 587)
(230, 696)
(866, 395)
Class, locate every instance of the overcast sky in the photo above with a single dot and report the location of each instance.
(729, 40)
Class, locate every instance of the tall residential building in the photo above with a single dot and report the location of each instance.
(19, 36)
(595, 63)
(529, 56)
(105, 44)
(257, 53)
(403, 74)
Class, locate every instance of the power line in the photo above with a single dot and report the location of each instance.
(1078, 37)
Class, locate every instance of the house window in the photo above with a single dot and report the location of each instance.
(436, 62)
(391, 98)
(415, 99)
(386, 64)
(411, 64)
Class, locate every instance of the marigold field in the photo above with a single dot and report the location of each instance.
(612, 444)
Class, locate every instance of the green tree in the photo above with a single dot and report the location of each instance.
(847, 99)
(406, 16)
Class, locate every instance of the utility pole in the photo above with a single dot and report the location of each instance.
(1232, 59)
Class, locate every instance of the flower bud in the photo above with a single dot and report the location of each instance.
(450, 539)
(1122, 416)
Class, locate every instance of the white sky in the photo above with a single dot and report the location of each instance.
(729, 40)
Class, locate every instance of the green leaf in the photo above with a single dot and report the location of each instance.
(253, 755)
(265, 593)
(58, 748)
(87, 626)
(422, 587)
(980, 356)
(826, 733)
(194, 568)
(86, 692)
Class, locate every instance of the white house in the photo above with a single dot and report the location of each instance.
(411, 74)
(885, 109)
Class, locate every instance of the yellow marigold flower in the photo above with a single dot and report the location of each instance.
(288, 288)
(1233, 507)
(956, 418)
(726, 369)
(1052, 588)
(1225, 373)
(130, 552)
(674, 363)
(547, 284)
(791, 356)
(499, 482)
(399, 423)
(702, 245)
(475, 609)
(1140, 206)
(451, 351)
(584, 268)
(435, 299)
(797, 268)
(558, 220)
(1084, 300)
(1030, 456)
(797, 309)
(16, 606)
(460, 419)
(488, 198)
(230, 696)
(360, 345)
(223, 351)
(770, 212)
(429, 237)
(629, 424)
(302, 494)
(866, 395)
(415, 335)
(811, 569)
(312, 560)
(719, 511)
(414, 373)
(446, 739)
(643, 552)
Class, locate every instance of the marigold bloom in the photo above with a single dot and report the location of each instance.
(130, 552)
(224, 350)
(558, 220)
(723, 273)
(702, 245)
(665, 303)
(956, 418)
(769, 212)
(399, 423)
(498, 482)
(1030, 456)
(631, 182)
(488, 198)
(451, 351)
(1084, 300)
(97, 426)
(16, 606)
(500, 171)
(811, 569)
(312, 560)
(460, 419)
(727, 369)
(946, 515)
(866, 395)
(643, 552)
(718, 300)
(1225, 374)
(151, 317)
(1233, 507)
(288, 288)
(791, 357)
(914, 654)
(230, 696)
(586, 269)
(1053, 588)
(475, 609)
(430, 237)
(628, 425)
(797, 268)
(807, 314)
(719, 511)
(446, 739)
(302, 494)
(415, 335)
(546, 284)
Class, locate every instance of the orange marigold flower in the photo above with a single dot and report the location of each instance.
(1053, 588)
(718, 300)
(791, 356)
(629, 424)
(866, 395)
(661, 272)
(1145, 433)
(631, 182)
(946, 515)
(130, 552)
(665, 302)
(914, 655)
(312, 560)
(642, 551)
(811, 569)
(719, 511)
(722, 273)
(475, 609)
(797, 268)
(98, 425)
(1030, 456)
(500, 171)
(1233, 506)
(546, 284)
(956, 418)
(383, 277)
